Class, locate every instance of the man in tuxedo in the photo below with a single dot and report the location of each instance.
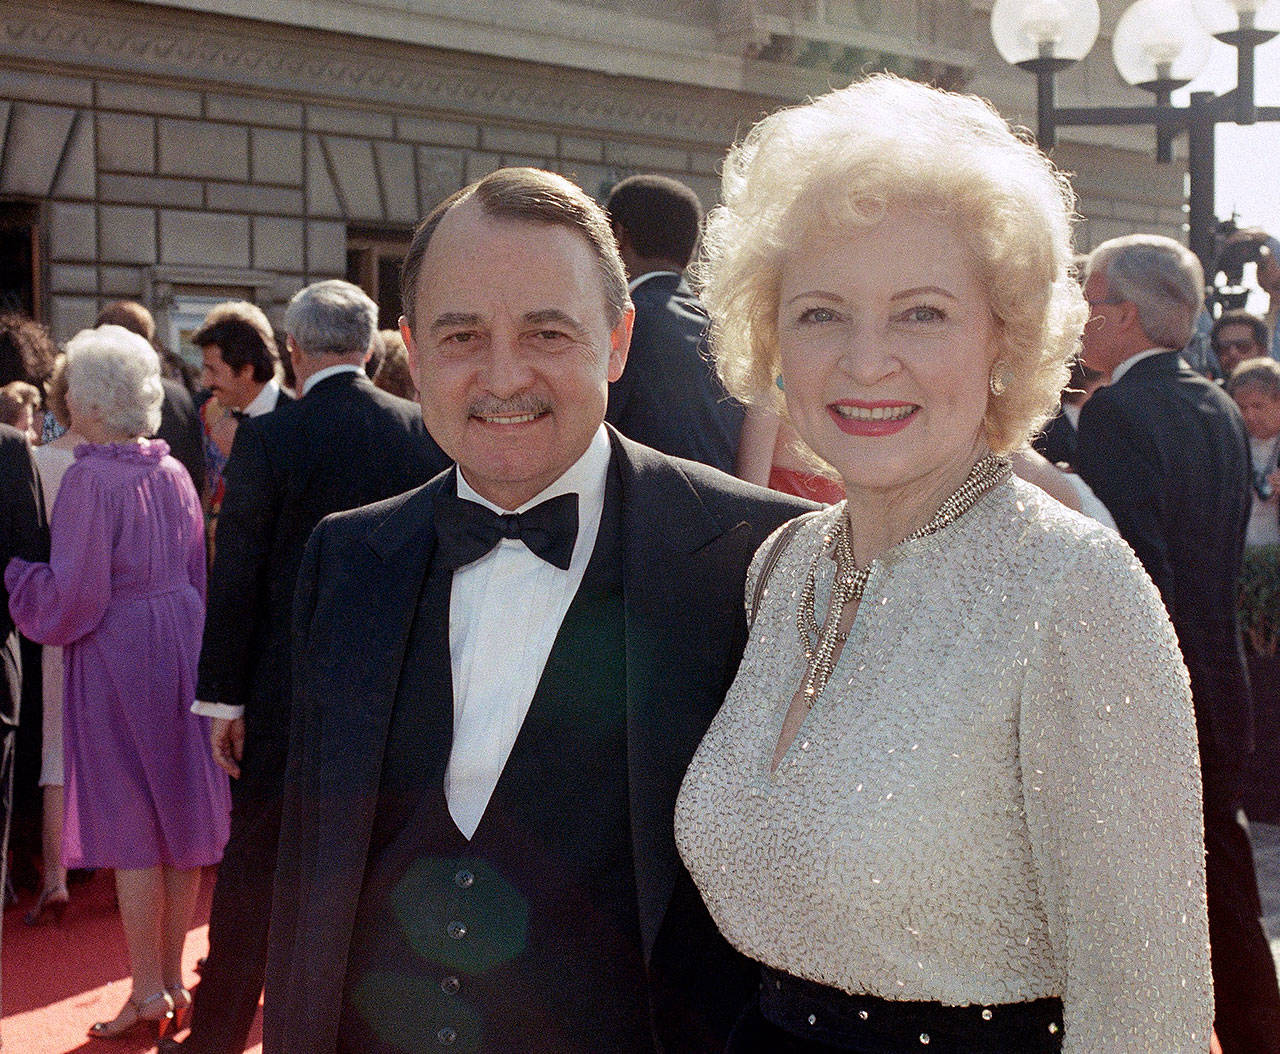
(501, 677)
(669, 396)
(23, 532)
(341, 444)
(1165, 450)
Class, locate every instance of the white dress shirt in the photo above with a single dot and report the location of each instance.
(1264, 524)
(1133, 360)
(330, 371)
(505, 610)
(265, 401)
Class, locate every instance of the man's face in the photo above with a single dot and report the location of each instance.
(1235, 343)
(512, 350)
(234, 389)
(1102, 348)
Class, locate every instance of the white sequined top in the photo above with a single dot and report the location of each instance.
(997, 797)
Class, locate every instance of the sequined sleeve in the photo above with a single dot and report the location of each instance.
(1111, 787)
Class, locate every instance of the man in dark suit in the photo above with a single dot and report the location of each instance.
(343, 443)
(669, 396)
(23, 532)
(1165, 450)
(179, 422)
(500, 679)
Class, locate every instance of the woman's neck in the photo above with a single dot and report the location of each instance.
(880, 519)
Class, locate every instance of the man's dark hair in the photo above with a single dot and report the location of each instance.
(243, 335)
(661, 216)
(1240, 318)
(529, 195)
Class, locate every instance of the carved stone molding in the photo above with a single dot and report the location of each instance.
(180, 47)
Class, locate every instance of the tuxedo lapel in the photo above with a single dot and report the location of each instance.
(679, 636)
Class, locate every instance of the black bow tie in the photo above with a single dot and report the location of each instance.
(466, 530)
(238, 415)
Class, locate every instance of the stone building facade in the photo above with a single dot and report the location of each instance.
(187, 151)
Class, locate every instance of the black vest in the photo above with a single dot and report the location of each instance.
(526, 938)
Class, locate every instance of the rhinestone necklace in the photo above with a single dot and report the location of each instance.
(819, 644)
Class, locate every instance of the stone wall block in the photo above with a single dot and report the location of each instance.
(70, 314)
(126, 143)
(326, 250)
(150, 190)
(357, 176)
(73, 232)
(322, 195)
(641, 157)
(577, 148)
(399, 185)
(437, 133)
(73, 278)
(247, 109)
(440, 173)
(350, 122)
(706, 187)
(119, 282)
(204, 149)
(596, 180)
(148, 98)
(76, 177)
(33, 147)
(278, 244)
(706, 163)
(128, 235)
(243, 197)
(517, 141)
(45, 87)
(479, 165)
(276, 156)
(204, 239)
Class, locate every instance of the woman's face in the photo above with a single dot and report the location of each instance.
(1260, 410)
(887, 339)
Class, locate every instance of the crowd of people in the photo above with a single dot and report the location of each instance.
(824, 642)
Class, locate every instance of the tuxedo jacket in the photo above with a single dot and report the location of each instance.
(687, 535)
(1057, 442)
(344, 444)
(1166, 451)
(23, 532)
(669, 396)
(180, 427)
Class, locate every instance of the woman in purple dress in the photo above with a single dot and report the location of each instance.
(123, 594)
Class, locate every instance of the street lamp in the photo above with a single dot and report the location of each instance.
(1159, 46)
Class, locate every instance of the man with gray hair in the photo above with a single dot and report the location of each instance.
(1166, 451)
(341, 444)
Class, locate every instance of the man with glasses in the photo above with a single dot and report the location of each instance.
(1236, 336)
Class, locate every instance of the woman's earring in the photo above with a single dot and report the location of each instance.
(1001, 377)
(778, 381)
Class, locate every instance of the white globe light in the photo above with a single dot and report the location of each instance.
(1034, 29)
(1226, 16)
(1159, 40)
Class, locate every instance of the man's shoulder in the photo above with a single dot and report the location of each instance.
(400, 512)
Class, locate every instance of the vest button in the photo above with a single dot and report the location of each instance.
(446, 1037)
(450, 985)
(464, 879)
(457, 930)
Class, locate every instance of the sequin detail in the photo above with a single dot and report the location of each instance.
(997, 799)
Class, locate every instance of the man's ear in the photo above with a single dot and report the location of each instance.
(410, 346)
(620, 343)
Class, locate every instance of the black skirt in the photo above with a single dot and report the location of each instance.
(794, 1016)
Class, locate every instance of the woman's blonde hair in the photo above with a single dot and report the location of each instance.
(845, 159)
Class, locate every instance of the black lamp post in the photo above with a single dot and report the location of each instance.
(1160, 46)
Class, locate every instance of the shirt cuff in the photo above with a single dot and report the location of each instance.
(223, 710)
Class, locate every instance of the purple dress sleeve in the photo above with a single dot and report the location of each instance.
(59, 602)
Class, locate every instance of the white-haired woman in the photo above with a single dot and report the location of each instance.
(952, 799)
(123, 594)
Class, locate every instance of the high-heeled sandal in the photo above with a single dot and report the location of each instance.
(52, 903)
(153, 1013)
(182, 1000)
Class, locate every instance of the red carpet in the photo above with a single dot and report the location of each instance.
(58, 980)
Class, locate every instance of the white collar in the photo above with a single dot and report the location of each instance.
(329, 371)
(1128, 363)
(265, 401)
(631, 286)
(585, 477)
